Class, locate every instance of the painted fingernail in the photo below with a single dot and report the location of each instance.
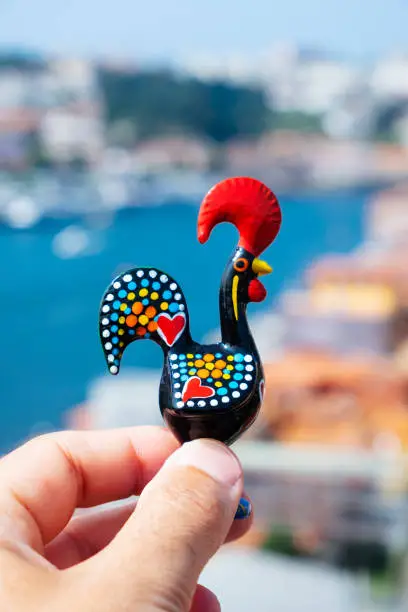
(244, 509)
(211, 457)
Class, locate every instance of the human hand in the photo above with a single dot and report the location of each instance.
(147, 558)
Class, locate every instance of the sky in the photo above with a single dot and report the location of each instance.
(163, 30)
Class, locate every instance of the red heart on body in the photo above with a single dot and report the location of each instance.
(171, 328)
(194, 388)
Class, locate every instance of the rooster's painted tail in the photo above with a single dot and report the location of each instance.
(142, 303)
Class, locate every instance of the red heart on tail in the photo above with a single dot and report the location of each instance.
(171, 328)
(194, 388)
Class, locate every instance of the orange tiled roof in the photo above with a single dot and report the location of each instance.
(322, 399)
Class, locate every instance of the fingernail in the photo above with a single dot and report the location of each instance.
(211, 457)
(244, 509)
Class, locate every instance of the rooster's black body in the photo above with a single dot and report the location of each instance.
(212, 391)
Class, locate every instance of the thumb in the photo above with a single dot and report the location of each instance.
(181, 519)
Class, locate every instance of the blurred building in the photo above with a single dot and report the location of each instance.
(344, 402)
(387, 218)
(22, 93)
(162, 154)
(18, 129)
(313, 84)
(72, 127)
(72, 132)
(326, 499)
(354, 303)
(49, 111)
(388, 78)
(309, 160)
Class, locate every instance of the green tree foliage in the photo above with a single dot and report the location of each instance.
(19, 60)
(370, 556)
(281, 541)
(160, 103)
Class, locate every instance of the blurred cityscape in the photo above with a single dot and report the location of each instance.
(299, 119)
(326, 462)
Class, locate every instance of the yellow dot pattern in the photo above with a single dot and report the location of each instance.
(204, 367)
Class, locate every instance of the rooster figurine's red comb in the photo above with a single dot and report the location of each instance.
(246, 203)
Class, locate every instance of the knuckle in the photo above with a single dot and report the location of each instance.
(175, 598)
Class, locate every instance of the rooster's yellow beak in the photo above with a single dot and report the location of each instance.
(260, 267)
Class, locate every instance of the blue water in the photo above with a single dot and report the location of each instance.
(49, 306)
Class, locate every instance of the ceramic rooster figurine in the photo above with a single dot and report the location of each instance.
(215, 390)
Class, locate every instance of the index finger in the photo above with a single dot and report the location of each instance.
(44, 481)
